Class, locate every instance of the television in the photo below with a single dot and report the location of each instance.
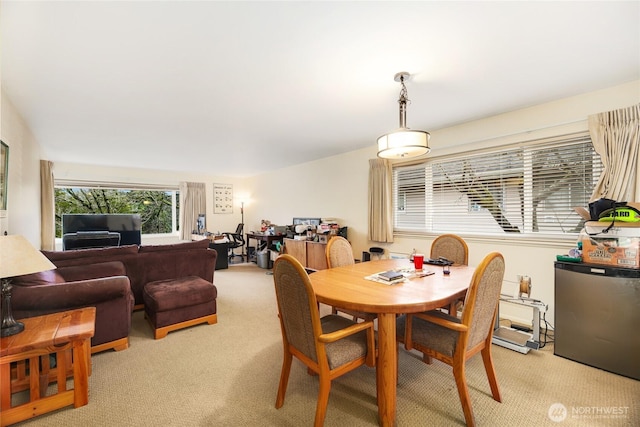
(129, 226)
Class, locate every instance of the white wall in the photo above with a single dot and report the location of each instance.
(336, 187)
(23, 193)
(331, 188)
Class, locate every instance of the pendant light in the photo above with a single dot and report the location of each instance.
(403, 143)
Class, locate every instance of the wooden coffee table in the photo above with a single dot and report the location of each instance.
(67, 335)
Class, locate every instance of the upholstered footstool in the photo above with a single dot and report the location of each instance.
(174, 304)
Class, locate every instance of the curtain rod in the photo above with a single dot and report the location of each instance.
(112, 185)
(522, 132)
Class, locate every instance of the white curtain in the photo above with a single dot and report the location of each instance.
(47, 207)
(193, 201)
(616, 138)
(380, 201)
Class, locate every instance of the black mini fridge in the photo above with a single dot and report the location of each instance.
(597, 316)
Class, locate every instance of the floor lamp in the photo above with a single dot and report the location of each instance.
(242, 222)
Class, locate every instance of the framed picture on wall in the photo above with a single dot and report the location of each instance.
(222, 198)
(4, 174)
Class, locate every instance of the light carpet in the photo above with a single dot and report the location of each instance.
(227, 375)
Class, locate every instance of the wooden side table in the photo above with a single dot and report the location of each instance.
(63, 334)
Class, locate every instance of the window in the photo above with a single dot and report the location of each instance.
(158, 207)
(528, 188)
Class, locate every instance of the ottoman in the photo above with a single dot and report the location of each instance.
(174, 304)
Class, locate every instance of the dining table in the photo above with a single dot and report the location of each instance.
(352, 287)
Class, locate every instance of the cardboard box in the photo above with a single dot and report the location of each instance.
(617, 251)
(619, 229)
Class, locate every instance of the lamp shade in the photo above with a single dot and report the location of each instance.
(18, 257)
(403, 143)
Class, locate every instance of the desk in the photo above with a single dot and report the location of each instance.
(346, 287)
(221, 247)
(56, 333)
(222, 261)
(260, 237)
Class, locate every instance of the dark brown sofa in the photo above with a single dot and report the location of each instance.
(110, 279)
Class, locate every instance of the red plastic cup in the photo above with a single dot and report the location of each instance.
(418, 260)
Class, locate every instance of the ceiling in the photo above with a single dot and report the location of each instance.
(241, 88)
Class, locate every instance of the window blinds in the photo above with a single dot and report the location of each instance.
(522, 189)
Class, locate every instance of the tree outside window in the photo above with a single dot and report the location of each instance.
(158, 209)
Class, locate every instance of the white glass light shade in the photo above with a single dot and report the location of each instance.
(403, 144)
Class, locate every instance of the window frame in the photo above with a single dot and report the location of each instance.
(174, 189)
(528, 146)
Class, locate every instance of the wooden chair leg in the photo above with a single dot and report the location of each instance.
(408, 337)
(491, 373)
(463, 392)
(453, 309)
(397, 364)
(323, 400)
(284, 379)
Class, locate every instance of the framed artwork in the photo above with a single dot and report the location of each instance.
(4, 174)
(222, 198)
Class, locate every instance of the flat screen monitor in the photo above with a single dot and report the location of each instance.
(307, 221)
(128, 225)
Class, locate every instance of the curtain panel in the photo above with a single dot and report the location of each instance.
(616, 138)
(47, 207)
(380, 201)
(193, 201)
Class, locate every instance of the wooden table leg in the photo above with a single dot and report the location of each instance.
(386, 369)
(5, 386)
(80, 373)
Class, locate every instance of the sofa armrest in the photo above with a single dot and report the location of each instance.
(31, 301)
(111, 296)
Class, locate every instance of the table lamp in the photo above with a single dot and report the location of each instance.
(17, 257)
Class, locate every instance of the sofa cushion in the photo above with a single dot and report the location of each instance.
(165, 295)
(92, 271)
(37, 279)
(184, 246)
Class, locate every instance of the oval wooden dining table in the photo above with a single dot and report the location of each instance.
(347, 287)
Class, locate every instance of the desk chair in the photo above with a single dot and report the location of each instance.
(454, 340)
(329, 346)
(236, 240)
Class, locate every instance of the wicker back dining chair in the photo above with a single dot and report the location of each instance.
(455, 249)
(329, 346)
(454, 340)
(339, 253)
(451, 247)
